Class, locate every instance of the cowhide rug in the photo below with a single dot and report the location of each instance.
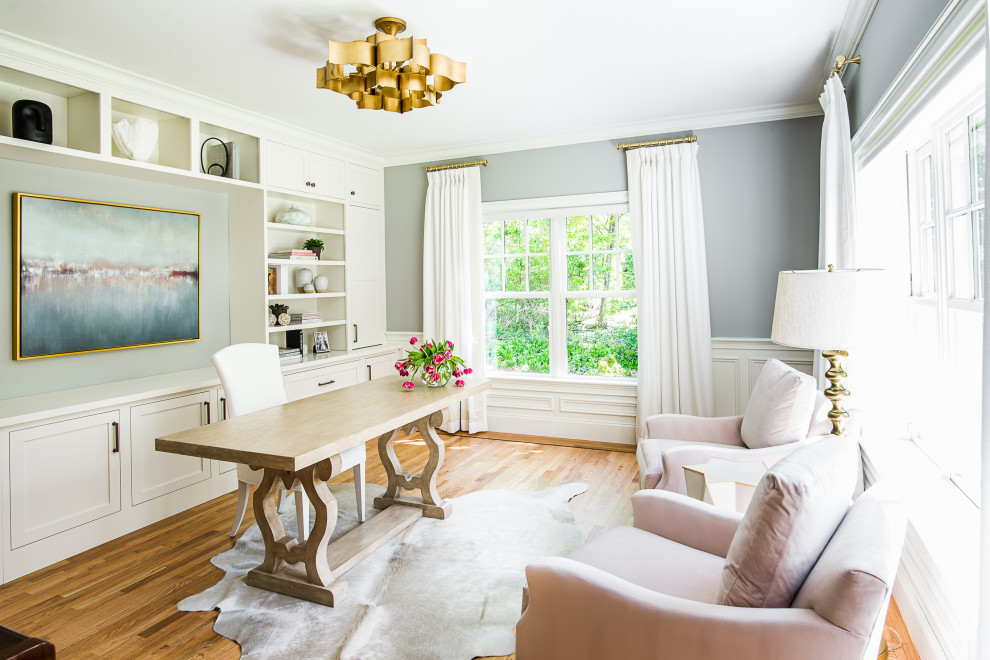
(444, 589)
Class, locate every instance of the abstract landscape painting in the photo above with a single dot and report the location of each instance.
(92, 276)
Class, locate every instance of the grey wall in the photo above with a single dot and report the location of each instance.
(892, 35)
(59, 373)
(759, 191)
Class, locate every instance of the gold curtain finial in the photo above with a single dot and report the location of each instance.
(840, 63)
(384, 72)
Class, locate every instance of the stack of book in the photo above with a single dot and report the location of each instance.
(305, 317)
(293, 253)
(286, 354)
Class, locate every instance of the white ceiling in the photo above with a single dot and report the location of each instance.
(542, 72)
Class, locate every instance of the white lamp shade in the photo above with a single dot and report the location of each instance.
(824, 310)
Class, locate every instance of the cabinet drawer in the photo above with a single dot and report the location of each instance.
(301, 384)
(155, 473)
(63, 475)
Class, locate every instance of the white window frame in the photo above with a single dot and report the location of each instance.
(558, 209)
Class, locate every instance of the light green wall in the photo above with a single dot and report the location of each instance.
(59, 373)
(759, 185)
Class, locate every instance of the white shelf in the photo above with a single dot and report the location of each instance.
(299, 326)
(309, 230)
(305, 296)
(304, 262)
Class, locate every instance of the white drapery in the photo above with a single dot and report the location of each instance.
(837, 229)
(452, 305)
(675, 334)
(983, 616)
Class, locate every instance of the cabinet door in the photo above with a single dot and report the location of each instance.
(326, 176)
(384, 365)
(286, 167)
(63, 475)
(219, 416)
(155, 473)
(366, 185)
(365, 252)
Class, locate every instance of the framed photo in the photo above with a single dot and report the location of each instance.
(320, 343)
(94, 276)
(272, 280)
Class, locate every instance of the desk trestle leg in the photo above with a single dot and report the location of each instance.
(318, 585)
(430, 502)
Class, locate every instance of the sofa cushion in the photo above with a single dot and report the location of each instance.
(851, 581)
(780, 406)
(654, 562)
(794, 511)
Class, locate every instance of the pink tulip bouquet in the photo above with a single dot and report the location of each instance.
(437, 361)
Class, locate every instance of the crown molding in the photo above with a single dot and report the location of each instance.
(846, 42)
(616, 132)
(47, 61)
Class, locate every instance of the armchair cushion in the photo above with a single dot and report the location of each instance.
(673, 569)
(847, 586)
(795, 510)
(780, 407)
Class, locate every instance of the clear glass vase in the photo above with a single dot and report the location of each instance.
(444, 378)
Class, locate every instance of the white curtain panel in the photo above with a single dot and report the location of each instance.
(675, 335)
(983, 617)
(837, 229)
(452, 304)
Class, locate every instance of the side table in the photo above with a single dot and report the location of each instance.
(724, 483)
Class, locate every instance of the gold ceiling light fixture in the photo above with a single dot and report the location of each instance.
(384, 72)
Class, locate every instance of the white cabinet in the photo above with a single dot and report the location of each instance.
(304, 171)
(301, 384)
(219, 414)
(365, 185)
(365, 251)
(155, 473)
(63, 475)
(383, 365)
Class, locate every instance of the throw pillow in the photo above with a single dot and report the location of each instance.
(780, 407)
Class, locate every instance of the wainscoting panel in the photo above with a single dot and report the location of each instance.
(605, 411)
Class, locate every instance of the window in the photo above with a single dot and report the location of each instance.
(560, 292)
(945, 183)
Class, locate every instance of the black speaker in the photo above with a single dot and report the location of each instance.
(32, 120)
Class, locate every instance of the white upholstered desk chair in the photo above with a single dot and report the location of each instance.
(252, 380)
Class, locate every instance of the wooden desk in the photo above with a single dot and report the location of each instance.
(297, 440)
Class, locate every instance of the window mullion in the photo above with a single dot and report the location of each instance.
(558, 286)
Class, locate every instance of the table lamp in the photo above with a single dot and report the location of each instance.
(827, 311)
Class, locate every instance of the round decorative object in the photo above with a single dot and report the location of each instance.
(135, 138)
(284, 319)
(294, 216)
(309, 288)
(271, 320)
(322, 283)
(304, 276)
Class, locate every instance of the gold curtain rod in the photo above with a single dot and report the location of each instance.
(657, 143)
(437, 168)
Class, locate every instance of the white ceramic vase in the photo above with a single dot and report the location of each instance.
(321, 283)
(304, 276)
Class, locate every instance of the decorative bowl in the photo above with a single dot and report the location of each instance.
(294, 216)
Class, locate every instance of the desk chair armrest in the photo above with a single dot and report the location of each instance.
(685, 520)
(578, 612)
(717, 430)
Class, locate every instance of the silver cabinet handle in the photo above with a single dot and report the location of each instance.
(355, 333)
(116, 437)
(329, 382)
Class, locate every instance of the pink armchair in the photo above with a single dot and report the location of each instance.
(800, 575)
(785, 412)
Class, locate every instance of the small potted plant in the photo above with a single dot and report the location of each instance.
(314, 244)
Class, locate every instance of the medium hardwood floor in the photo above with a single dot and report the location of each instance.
(118, 600)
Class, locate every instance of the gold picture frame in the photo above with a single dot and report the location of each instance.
(95, 276)
(272, 280)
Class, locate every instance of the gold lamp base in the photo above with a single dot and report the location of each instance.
(836, 392)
